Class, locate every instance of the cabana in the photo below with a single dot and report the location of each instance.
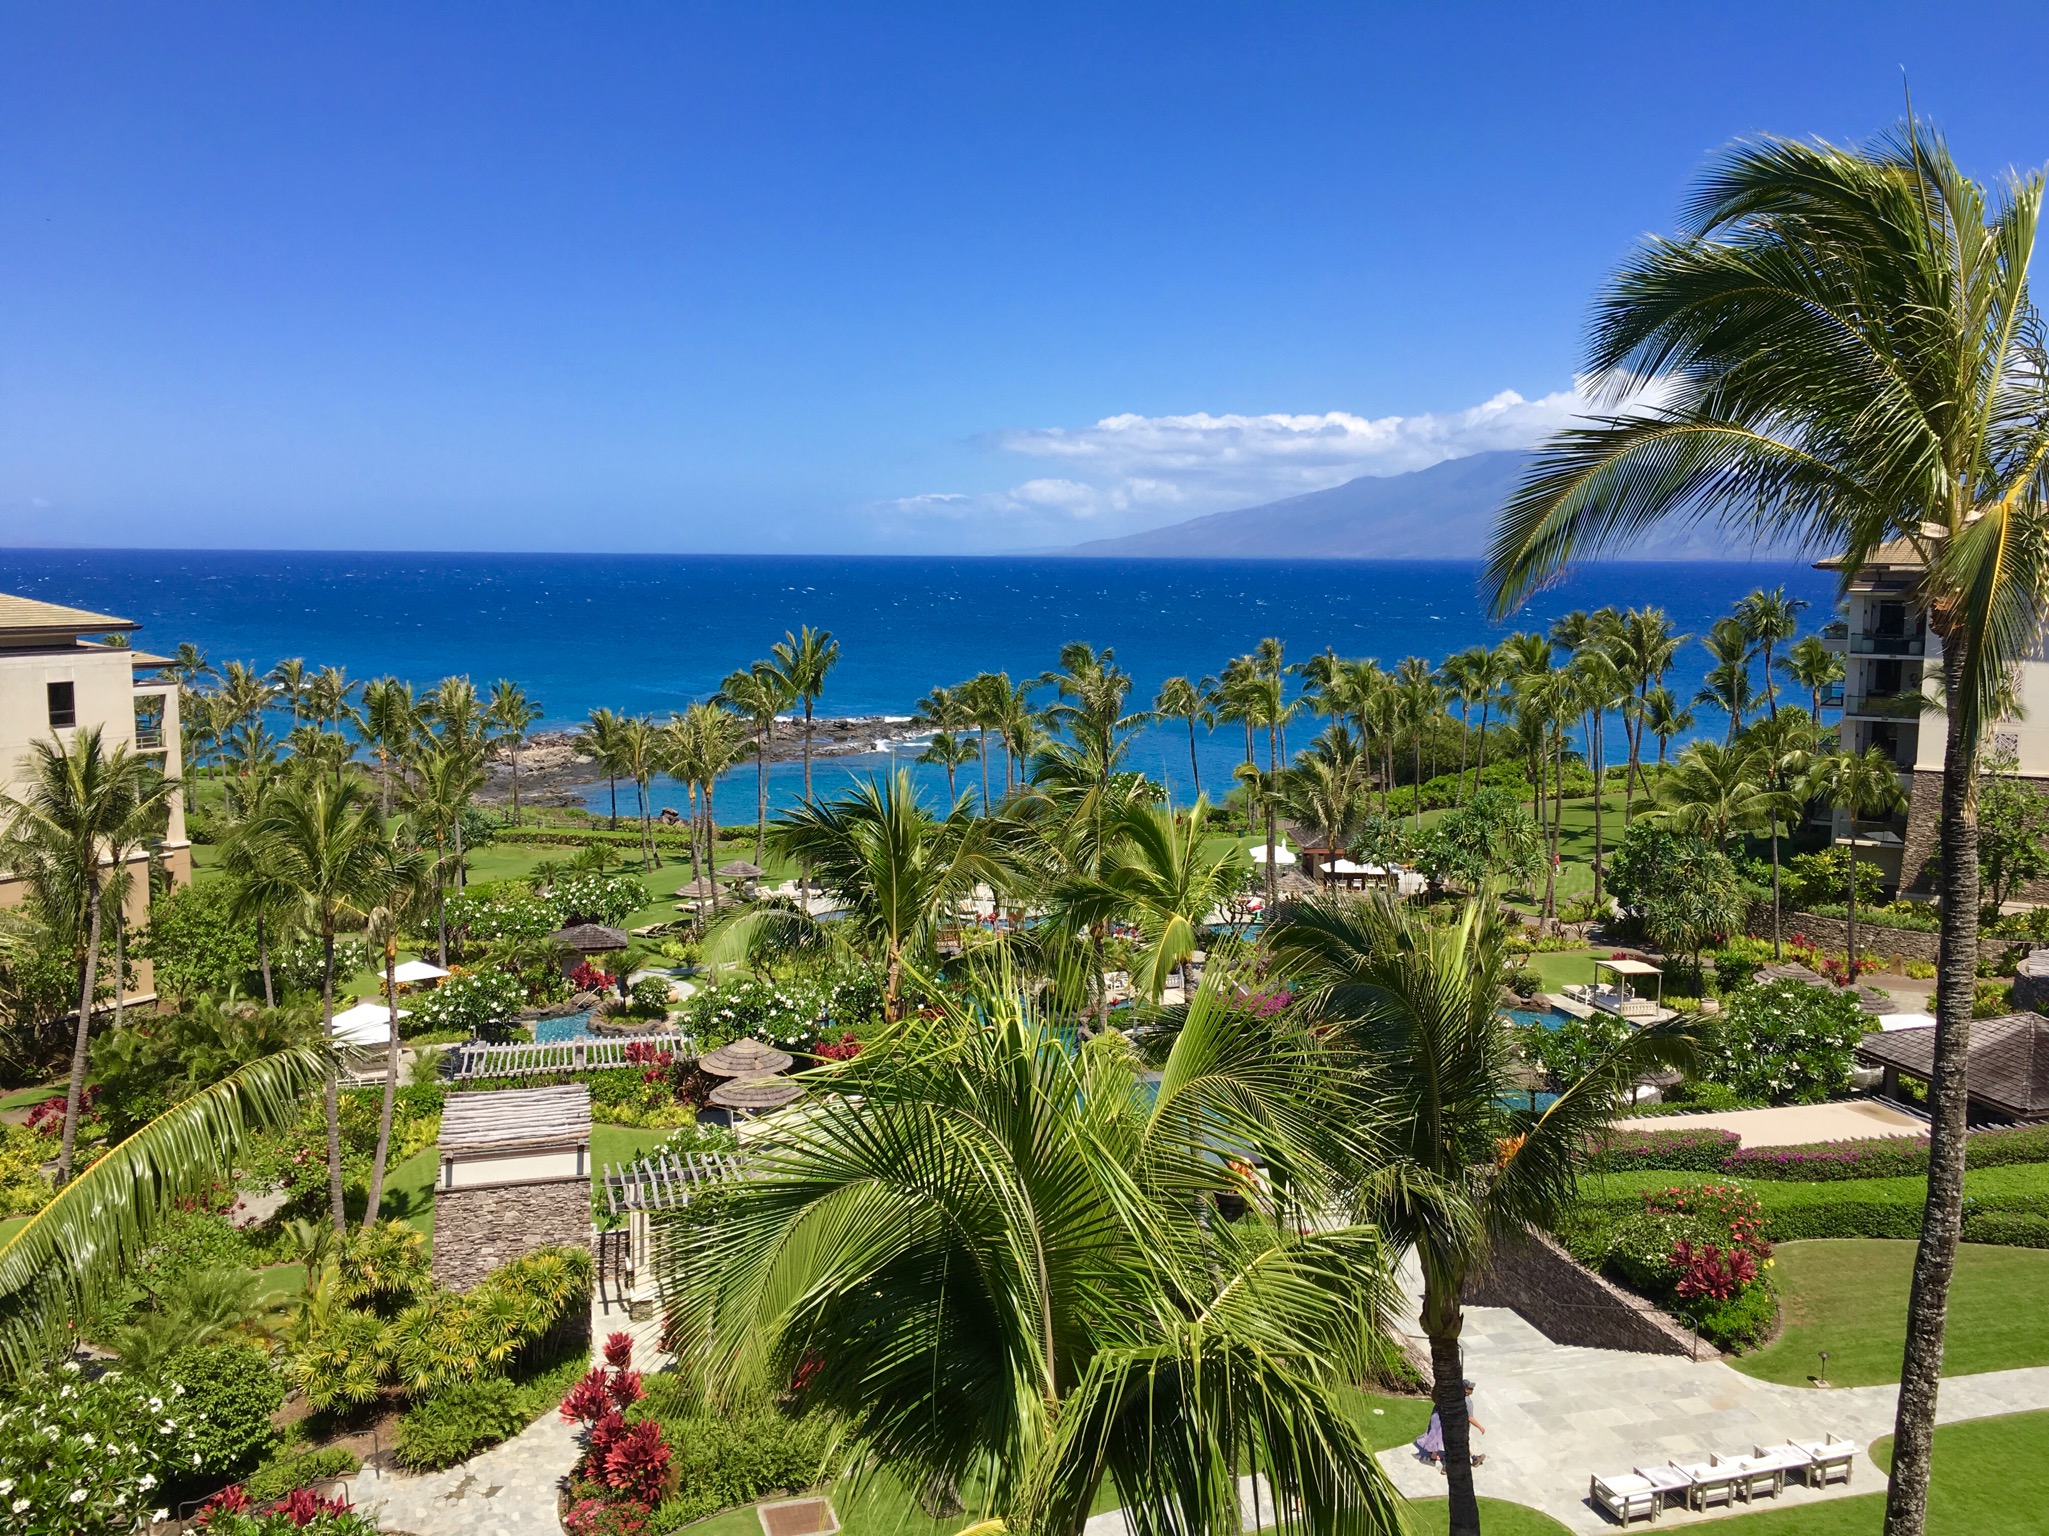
(1620, 998)
(589, 938)
(742, 874)
(365, 1024)
(2006, 1072)
(745, 1058)
(753, 1095)
(413, 973)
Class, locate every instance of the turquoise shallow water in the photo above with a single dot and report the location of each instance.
(649, 634)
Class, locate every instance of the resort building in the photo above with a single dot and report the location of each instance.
(1892, 674)
(64, 669)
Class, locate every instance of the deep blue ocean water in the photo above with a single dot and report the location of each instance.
(648, 634)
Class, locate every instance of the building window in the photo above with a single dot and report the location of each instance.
(63, 706)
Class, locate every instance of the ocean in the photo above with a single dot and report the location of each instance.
(647, 634)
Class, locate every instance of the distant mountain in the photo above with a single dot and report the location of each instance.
(1445, 512)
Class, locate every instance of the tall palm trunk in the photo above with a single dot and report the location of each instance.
(1194, 767)
(1906, 1509)
(614, 780)
(120, 964)
(334, 1162)
(1594, 761)
(761, 791)
(89, 975)
(1465, 739)
(1448, 1397)
(390, 1083)
(515, 783)
(1851, 905)
(461, 875)
(711, 847)
(441, 903)
(1480, 769)
(1777, 953)
(1251, 761)
(1416, 788)
(983, 730)
(263, 960)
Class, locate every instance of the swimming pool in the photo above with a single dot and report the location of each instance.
(1546, 1018)
(571, 1026)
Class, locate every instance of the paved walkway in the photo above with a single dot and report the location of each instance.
(509, 1490)
(1556, 1414)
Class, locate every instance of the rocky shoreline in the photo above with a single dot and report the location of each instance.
(551, 769)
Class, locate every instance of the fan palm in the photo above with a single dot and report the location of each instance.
(1864, 784)
(512, 714)
(1848, 354)
(103, 1220)
(1417, 1005)
(324, 840)
(1002, 1264)
(71, 825)
(897, 871)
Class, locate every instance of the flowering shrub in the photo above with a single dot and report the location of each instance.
(471, 1000)
(784, 1014)
(1570, 1050)
(1708, 1273)
(650, 997)
(588, 978)
(23, 1187)
(1264, 1005)
(231, 1512)
(518, 913)
(1701, 1250)
(1725, 1207)
(1704, 1151)
(1786, 1042)
(846, 1048)
(597, 1516)
(298, 965)
(84, 1457)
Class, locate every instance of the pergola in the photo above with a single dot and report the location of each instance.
(1623, 970)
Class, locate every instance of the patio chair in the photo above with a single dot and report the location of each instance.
(1829, 1459)
(1757, 1476)
(1713, 1482)
(1787, 1457)
(1626, 1497)
(1669, 1482)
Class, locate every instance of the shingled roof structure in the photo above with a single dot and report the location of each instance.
(2008, 1066)
(515, 1120)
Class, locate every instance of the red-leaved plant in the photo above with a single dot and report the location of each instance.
(1710, 1273)
(585, 978)
(302, 1506)
(231, 1500)
(619, 1350)
(636, 1463)
(846, 1048)
(588, 1401)
(625, 1389)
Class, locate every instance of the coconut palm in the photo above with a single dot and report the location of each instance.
(330, 698)
(1001, 1266)
(760, 694)
(1714, 792)
(1783, 748)
(103, 1221)
(512, 714)
(897, 871)
(1664, 718)
(1847, 354)
(1161, 875)
(1596, 686)
(951, 752)
(700, 746)
(1810, 664)
(325, 840)
(639, 747)
(1643, 646)
(599, 741)
(1180, 699)
(1865, 784)
(1770, 619)
(1324, 790)
(802, 661)
(408, 891)
(288, 685)
(71, 823)
(443, 781)
(391, 720)
(1727, 686)
(987, 695)
(1417, 1006)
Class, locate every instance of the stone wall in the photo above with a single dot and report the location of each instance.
(1570, 1304)
(1874, 939)
(476, 1230)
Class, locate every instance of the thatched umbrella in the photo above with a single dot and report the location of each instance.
(745, 1058)
(755, 1094)
(740, 869)
(590, 938)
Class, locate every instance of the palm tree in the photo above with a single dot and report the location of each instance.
(1180, 699)
(1810, 664)
(759, 694)
(951, 752)
(699, 747)
(1727, 685)
(71, 825)
(1421, 705)
(391, 719)
(1783, 748)
(1865, 784)
(1770, 619)
(802, 661)
(330, 696)
(988, 697)
(1467, 678)
(1000, 1266)
(1161, 874)
(513, 714)
(103, 1221)
(599, 741)
(1713, 792)
(640, 759)
(1324, 791)
(288, 685)
(1644, 646)
(1848, 354)
(326, 841)
(1597, 686)
(1664, 719)
(897, 871)
(1417, 1006)
(443, 781)
(408, 887)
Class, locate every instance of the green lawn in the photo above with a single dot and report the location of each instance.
(10, 1226)
(1991, 1479)
(1849, 1297)
(1498, 1517)
(24, 1098)
(1565, 966)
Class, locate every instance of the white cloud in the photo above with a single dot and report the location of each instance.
(1129, 471)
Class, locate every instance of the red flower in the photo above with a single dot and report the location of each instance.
(302, 1506)
(232, 1500)
(619, 1349)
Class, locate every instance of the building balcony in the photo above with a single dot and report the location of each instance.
(1885, 706)
(1870, 643)
(1831, 697)
(148, 738)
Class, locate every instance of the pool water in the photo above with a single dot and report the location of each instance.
(571, 1026)
(1544, 1018)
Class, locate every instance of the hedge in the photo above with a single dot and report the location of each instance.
(1713, 1151)
(1794, 1211)
(625, 837)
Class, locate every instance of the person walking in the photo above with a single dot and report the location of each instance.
(1430, 1444)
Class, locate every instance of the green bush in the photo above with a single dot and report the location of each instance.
(298, 1469)
(472, 1001)
(1786, 1042)
(1742, 1322)
(86, 1456)
(720, 1460)
(194, 941)
(231, 1392)
(458, 1421)
(2007, 1229)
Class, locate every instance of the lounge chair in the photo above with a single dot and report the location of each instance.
(1669, 1482)
(1828, 1459)
(1713, 1482)
(1757, 1475)
(1788, 1457)
(1626, 1496)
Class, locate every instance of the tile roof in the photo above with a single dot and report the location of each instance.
(2008, 1067)
(515, 1119)
(28, 613)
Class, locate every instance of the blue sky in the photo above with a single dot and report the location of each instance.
(758, 277)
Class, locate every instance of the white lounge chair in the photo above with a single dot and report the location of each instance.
(1626, 1496)
(1786, 1456)
(1668, 1480)
(1713, 1482)
(1829, 1458)
(1758, 1475)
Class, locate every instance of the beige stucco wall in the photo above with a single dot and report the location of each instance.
(474, 1172)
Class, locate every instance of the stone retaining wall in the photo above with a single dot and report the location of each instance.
(1873, 939)
(476, 1230)
(1570, 1304)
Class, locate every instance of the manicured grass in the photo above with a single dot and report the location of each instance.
(24, 1098)
(409, 1191)
(1565, 966)
(1985, 1183)
(621, 1144)
(1849, 1297)
(1393, 1421)
(1498, 1517)
(1991, 1479)
(10, 1226)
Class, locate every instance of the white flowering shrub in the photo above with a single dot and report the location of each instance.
(90, 1457)
(472, 1000)
(1784, 1042)
(789, 1013)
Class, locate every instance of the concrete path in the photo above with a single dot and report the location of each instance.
(509, 1490)
(1556, 1415)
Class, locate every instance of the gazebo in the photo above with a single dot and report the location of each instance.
(745, 1058)
(1621, 998)
(742, 874)
(590, 938)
